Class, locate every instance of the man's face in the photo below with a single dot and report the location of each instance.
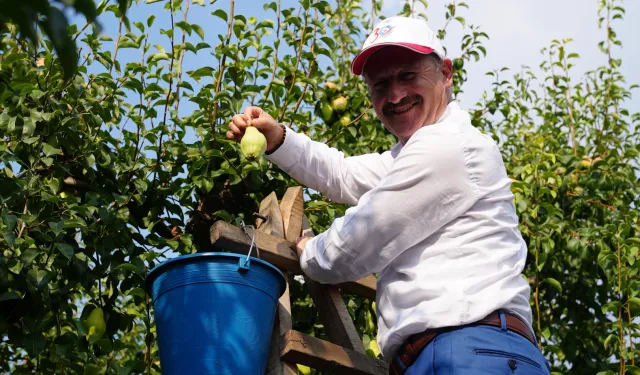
(407, 89)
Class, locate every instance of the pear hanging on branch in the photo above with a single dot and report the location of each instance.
(96, 324)
(253, 143)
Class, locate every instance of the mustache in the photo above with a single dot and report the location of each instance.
(389, 108)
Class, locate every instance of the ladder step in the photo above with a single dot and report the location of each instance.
(325, 356)
(279, 252)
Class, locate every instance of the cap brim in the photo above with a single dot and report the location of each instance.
(358, 62)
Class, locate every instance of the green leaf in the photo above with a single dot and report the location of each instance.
(34, 343)
(55, 25)
(265, 23)
(128, 267)
(554, 283)
(607, 341)
(50, 150)
(57, 228)
(220, 13)
(633, 370)
(38, 278)
(198, 30)
(65, 249)
(15, 266)
(9, 220)
(29, 127)
(159, 56)
(54, 185)
(75, 223)
(30, 140)
(9, 172)
(9, 237)
(6, 296)
(29, 255)
(634, 303)
(123, 214)
(88, 8)
(122, 4)
(546, 333)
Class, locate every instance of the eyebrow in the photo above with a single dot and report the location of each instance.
(402, 69)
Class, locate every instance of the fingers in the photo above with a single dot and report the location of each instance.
(237, 127)
(253, 112)
(240, 121)
(252, 116)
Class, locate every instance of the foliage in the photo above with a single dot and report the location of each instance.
(124, 164)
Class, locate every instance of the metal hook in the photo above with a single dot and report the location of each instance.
(244, 229)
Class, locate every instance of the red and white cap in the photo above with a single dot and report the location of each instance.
(407, 32)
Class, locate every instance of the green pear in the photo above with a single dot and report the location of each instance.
(304, 370)
(253, 143)
(339, 104)
(330, 87)
(327, 111)
(345, 120)
(96, 324)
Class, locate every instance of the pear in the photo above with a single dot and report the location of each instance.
(304, 370)
(331, 87)
(345, 120)
(96, 324)
(327, 112)
(253, 143)
(339, 104)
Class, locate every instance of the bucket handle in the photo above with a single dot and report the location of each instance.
(243, 264)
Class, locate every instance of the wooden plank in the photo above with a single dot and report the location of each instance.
(365, 287)
(331, 308)
(292, 209)
(270, 209)
(325, 356)
(279, 252)
(276, 365)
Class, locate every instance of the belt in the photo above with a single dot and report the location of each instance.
(411, 349)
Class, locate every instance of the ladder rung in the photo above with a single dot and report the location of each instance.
(325, 356)
(278, 252)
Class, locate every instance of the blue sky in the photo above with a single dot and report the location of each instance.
(518, 29)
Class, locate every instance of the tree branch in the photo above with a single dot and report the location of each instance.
(295, 68)
(221, 68)
(275, 59)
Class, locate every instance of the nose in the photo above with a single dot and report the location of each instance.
(396, 92)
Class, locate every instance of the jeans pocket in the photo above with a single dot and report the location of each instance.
(502, 354)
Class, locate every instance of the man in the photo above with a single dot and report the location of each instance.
(434, 216)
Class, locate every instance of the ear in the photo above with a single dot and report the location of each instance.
(446, 69)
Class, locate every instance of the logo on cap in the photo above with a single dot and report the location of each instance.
(381, 32)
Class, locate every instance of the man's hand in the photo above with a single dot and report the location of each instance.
(300, 244)
(259, 119)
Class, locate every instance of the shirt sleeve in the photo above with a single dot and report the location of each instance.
(324, 169)
(428, 185)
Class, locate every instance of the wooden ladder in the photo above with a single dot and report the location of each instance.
(275, 241)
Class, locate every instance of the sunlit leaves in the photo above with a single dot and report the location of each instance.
(108, 174)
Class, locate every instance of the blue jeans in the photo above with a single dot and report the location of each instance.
(480, 350)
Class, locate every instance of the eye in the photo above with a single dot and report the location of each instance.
(380, 85)
(406, 76)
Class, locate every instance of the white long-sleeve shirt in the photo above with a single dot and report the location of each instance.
(434, 217)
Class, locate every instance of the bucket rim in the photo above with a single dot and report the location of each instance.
(157, 270)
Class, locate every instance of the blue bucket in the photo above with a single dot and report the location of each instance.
(214, 313)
